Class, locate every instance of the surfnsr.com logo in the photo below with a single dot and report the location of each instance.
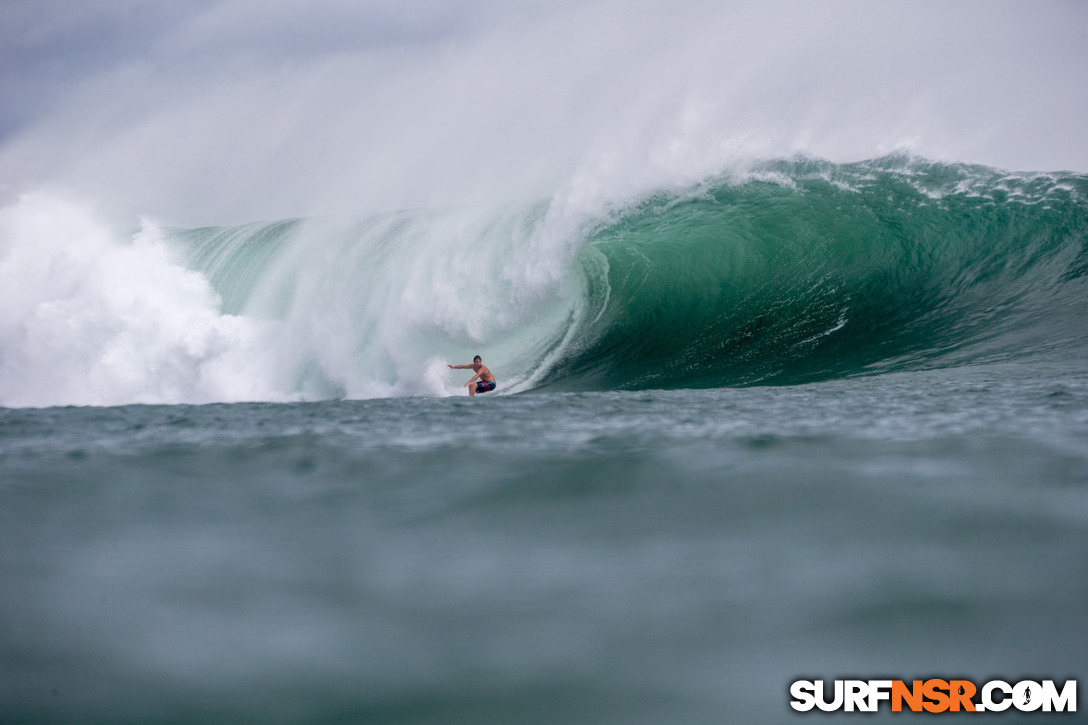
(934, 696)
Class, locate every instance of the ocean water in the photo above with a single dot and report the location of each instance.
(802, 419)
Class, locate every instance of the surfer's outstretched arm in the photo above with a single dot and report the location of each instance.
(459, 367)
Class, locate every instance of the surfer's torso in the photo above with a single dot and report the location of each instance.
(485, 374)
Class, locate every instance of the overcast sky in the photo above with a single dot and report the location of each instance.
(220, 111)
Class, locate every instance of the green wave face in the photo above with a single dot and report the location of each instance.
(809, 270)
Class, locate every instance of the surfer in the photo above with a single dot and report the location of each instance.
(486, 382)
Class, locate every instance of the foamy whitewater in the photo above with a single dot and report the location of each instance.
(787, 305)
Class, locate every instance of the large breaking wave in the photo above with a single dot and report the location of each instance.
(786, 271)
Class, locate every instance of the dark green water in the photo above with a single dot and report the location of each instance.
(812, 270)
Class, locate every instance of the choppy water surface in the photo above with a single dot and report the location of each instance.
(643, 556)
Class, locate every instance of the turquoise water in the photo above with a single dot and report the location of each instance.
(812, 421)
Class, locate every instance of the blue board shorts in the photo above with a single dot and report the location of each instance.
(482, 387)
